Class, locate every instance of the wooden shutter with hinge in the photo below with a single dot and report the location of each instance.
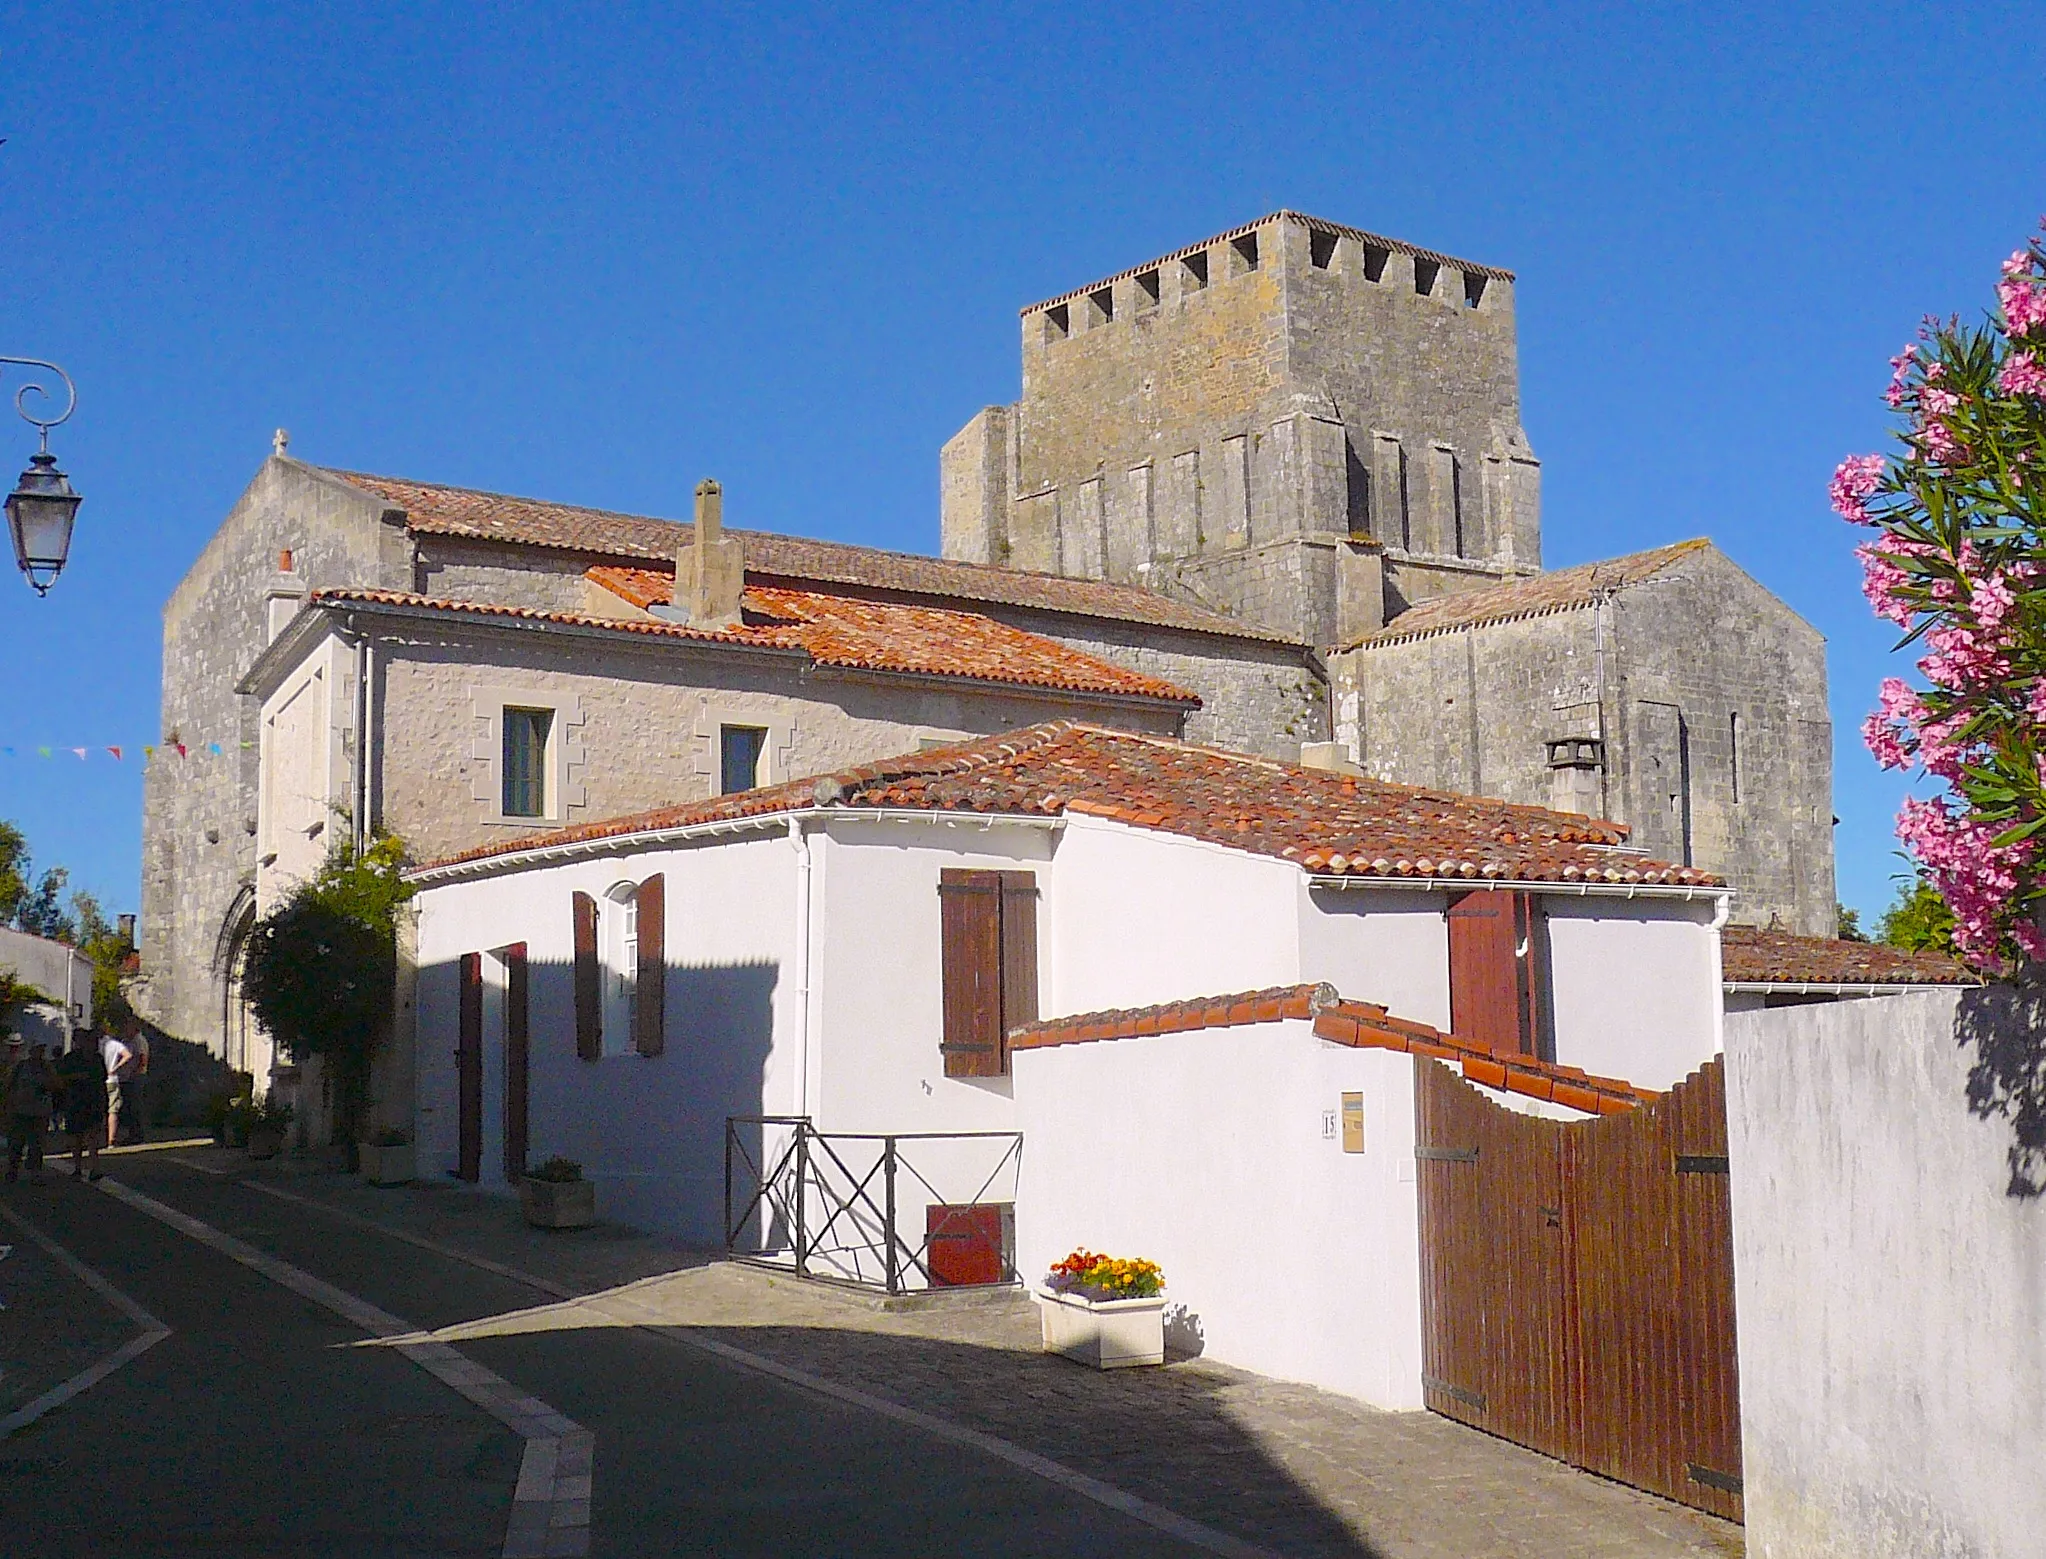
(589, 984)
(989, 947)
(1495, 995)
(469, 1072)
(649, 1017)
(516, 1058)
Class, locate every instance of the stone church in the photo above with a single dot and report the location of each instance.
(1269, 492)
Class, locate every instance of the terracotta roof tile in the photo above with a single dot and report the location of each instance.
(432, 508)
(1359, 1024)
(854, 634)
(1327, 823)
(1533, 597)
(1751, 956)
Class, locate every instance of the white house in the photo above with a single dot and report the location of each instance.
(857, 951)
(62, 975)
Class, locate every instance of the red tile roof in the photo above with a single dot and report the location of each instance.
(1327, 823)
(1562, 590)
(1752, 956)
(434, 509)
(855, 634)
(1356, 1023)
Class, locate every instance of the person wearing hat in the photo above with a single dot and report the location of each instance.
(84, 1074)
(30, 1090)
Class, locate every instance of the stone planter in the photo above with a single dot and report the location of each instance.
(559, 1204)
(387, 1165)
(1110, 1334)
(265, 1141)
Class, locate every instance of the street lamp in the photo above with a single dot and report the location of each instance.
(42, 506)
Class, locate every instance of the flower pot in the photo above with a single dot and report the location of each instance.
(559, 1204)
(394, 1165)
(1109, 1334)
(265, 1141)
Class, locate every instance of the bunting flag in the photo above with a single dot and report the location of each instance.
(119, 751)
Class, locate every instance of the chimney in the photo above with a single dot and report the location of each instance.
(710, 574)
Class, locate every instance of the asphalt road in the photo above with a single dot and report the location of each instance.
(259, 1428)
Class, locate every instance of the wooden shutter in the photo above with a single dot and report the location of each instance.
(1019, 955)
(1494, 979)
(469, 1072)
(649, 1017)
(970, 915)
(517, 1038)
(589, 985)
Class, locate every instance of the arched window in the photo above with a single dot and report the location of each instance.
(619, 929)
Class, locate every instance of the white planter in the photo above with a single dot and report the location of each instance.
(1109, 1334)
(559, 1204)
(387, 1165)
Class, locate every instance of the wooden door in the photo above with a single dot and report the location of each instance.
(469, 1071)
(1577, 1282)
(517, 1060)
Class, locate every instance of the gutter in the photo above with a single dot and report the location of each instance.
(683, 833)
(1045, 692)
(1614, 890)
(1821, 988)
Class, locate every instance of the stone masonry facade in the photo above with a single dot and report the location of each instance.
(1690, 705)
(1303, 424)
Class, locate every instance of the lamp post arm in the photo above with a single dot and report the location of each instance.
(42, 424)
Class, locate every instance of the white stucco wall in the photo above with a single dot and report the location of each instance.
(1891, 1293)
(1635, 986)
(1378, 945)
(1205, 1152)
(649, 1130)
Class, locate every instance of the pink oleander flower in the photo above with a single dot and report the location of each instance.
(2022, 374)
(1940, 445)
(1855, 480)
(2035, 706)
(1935, 402)
(1900, 368)
(1962, 658)
(1882, 740)
(1992, 600)
(2023, 298)
(1882, 580)
(2019, 264)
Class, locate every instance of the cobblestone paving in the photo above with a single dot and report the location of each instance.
(1298, 1470)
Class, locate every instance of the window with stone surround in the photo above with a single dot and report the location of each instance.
(740, 749)
(523, 768)
(525, 764)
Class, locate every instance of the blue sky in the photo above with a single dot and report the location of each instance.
(597, 254)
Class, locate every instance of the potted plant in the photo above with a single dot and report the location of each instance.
(1105, 1311)
(387, 1159)
(266, 1120)
(555, 1195)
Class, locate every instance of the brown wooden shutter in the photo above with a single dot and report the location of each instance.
(650, 987)
(517, 1038)
(589, 984)
(970, 917)
(469, 1072)
(1019, 956)
(1494, 981)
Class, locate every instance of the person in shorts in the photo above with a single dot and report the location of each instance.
(31, 1092)
(84, 1075)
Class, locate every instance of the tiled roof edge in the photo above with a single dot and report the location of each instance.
(1283, 214)
(1270, 1005)
(1367, 1026)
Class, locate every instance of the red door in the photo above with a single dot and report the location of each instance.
(469, 1070)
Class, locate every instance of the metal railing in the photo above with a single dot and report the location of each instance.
(829, 1204)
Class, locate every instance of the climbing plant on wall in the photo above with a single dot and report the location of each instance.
(1958, 561)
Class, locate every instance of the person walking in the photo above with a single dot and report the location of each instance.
(84, 1076)
(31, 1092)
(119, 1059)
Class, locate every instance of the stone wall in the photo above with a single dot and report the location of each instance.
(1888, 1282)
(1290, 380)
(1691, 657)
(641, 720)
(199, 809)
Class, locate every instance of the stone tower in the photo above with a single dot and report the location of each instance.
(1308, 426)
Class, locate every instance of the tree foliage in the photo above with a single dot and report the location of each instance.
(1959, 563)
(1847, 923)
(322, 965)
(1919, 921)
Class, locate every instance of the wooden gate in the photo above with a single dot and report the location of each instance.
(1577, 1282)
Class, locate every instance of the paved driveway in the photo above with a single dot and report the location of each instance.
(732, 1413)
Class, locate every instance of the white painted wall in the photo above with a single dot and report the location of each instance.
(1205, 1152)
(1379, 945)
(1891, 1292)
(648, 1130)
(1636, 986)
(1142, 917)
(304, 769)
